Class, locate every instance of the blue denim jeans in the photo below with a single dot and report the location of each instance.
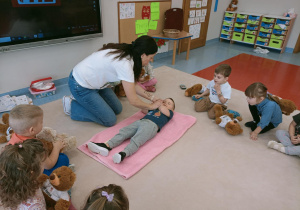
(93, 105)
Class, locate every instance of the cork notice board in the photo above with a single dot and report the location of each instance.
(127, 26)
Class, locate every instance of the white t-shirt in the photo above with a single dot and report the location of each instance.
(54, 193)
(213, 96)
(100, 70)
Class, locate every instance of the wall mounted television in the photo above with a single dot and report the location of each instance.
(34, 23)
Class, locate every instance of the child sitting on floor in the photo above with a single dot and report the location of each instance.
(107, 197)
(140, 132)
(26, 122)
(266, 113)
(290, 140)
(20, 167)
(219, 92)
(148, 85)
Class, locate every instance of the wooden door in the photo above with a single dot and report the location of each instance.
(200, 41)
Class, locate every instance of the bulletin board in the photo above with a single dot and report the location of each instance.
(127, 30)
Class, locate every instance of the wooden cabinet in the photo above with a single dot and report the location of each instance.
(256, 29)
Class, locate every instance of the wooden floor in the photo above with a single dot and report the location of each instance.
(281, 79)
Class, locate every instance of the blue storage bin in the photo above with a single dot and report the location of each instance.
(267, 25)
(228, 28)
(282, 21)
(239, 29)
(241, 20)
(279, 32)
(228, 18)
(264, 35)
(252, 27)
(262, 43)
(225, 36)
(252, 17)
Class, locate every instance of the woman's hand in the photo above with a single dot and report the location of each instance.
(156, 104)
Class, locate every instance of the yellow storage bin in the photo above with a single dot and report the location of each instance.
(262, 39)
(241, 16)
(268, 20)
(228, 14)
(247, 31)
(226, 32)
(274, 36)
(237, 36)
(249, 38)
(227, 23)
(240, 25)
(276, 43)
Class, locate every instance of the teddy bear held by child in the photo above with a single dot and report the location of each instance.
(55, 188)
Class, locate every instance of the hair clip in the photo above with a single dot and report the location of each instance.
(20, 146)
(109, 197)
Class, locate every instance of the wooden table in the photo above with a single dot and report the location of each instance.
(182, 35)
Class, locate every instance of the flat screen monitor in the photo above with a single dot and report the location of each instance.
(33, 23)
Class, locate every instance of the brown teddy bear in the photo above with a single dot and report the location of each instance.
(286, 106)
(55, 188)
(195, 89)
(233, 5)
(4, 129)
(50, 135)
(225, 120)
(119, 90)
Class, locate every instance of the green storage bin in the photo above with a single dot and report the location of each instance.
(241, 16)
(247, 31)
(240, 25)
(262, 39)
(276, 43)
(274, 36)
(265, 30)
(226, 32)
(249, 38)
(228, 14)
(253, 22)
(237, 36)
(268, 20)
(278, 27)
(227, 23)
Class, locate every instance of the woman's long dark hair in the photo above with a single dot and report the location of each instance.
(143, 44)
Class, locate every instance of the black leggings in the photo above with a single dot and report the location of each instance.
(256, 118)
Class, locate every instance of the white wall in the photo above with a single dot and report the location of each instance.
(19, 68)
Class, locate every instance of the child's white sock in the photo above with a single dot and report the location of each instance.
(277, 146)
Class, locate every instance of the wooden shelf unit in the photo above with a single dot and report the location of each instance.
(256, 29)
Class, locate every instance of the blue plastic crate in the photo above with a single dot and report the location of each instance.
(228, 18)
(241, 20)
(225, 36)
(279, 32)
(264, 35)
(282, 21)
(252, 27)
(239, 29)
(267, 25)
(252, 17)
(262, 43)
(228, 28)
